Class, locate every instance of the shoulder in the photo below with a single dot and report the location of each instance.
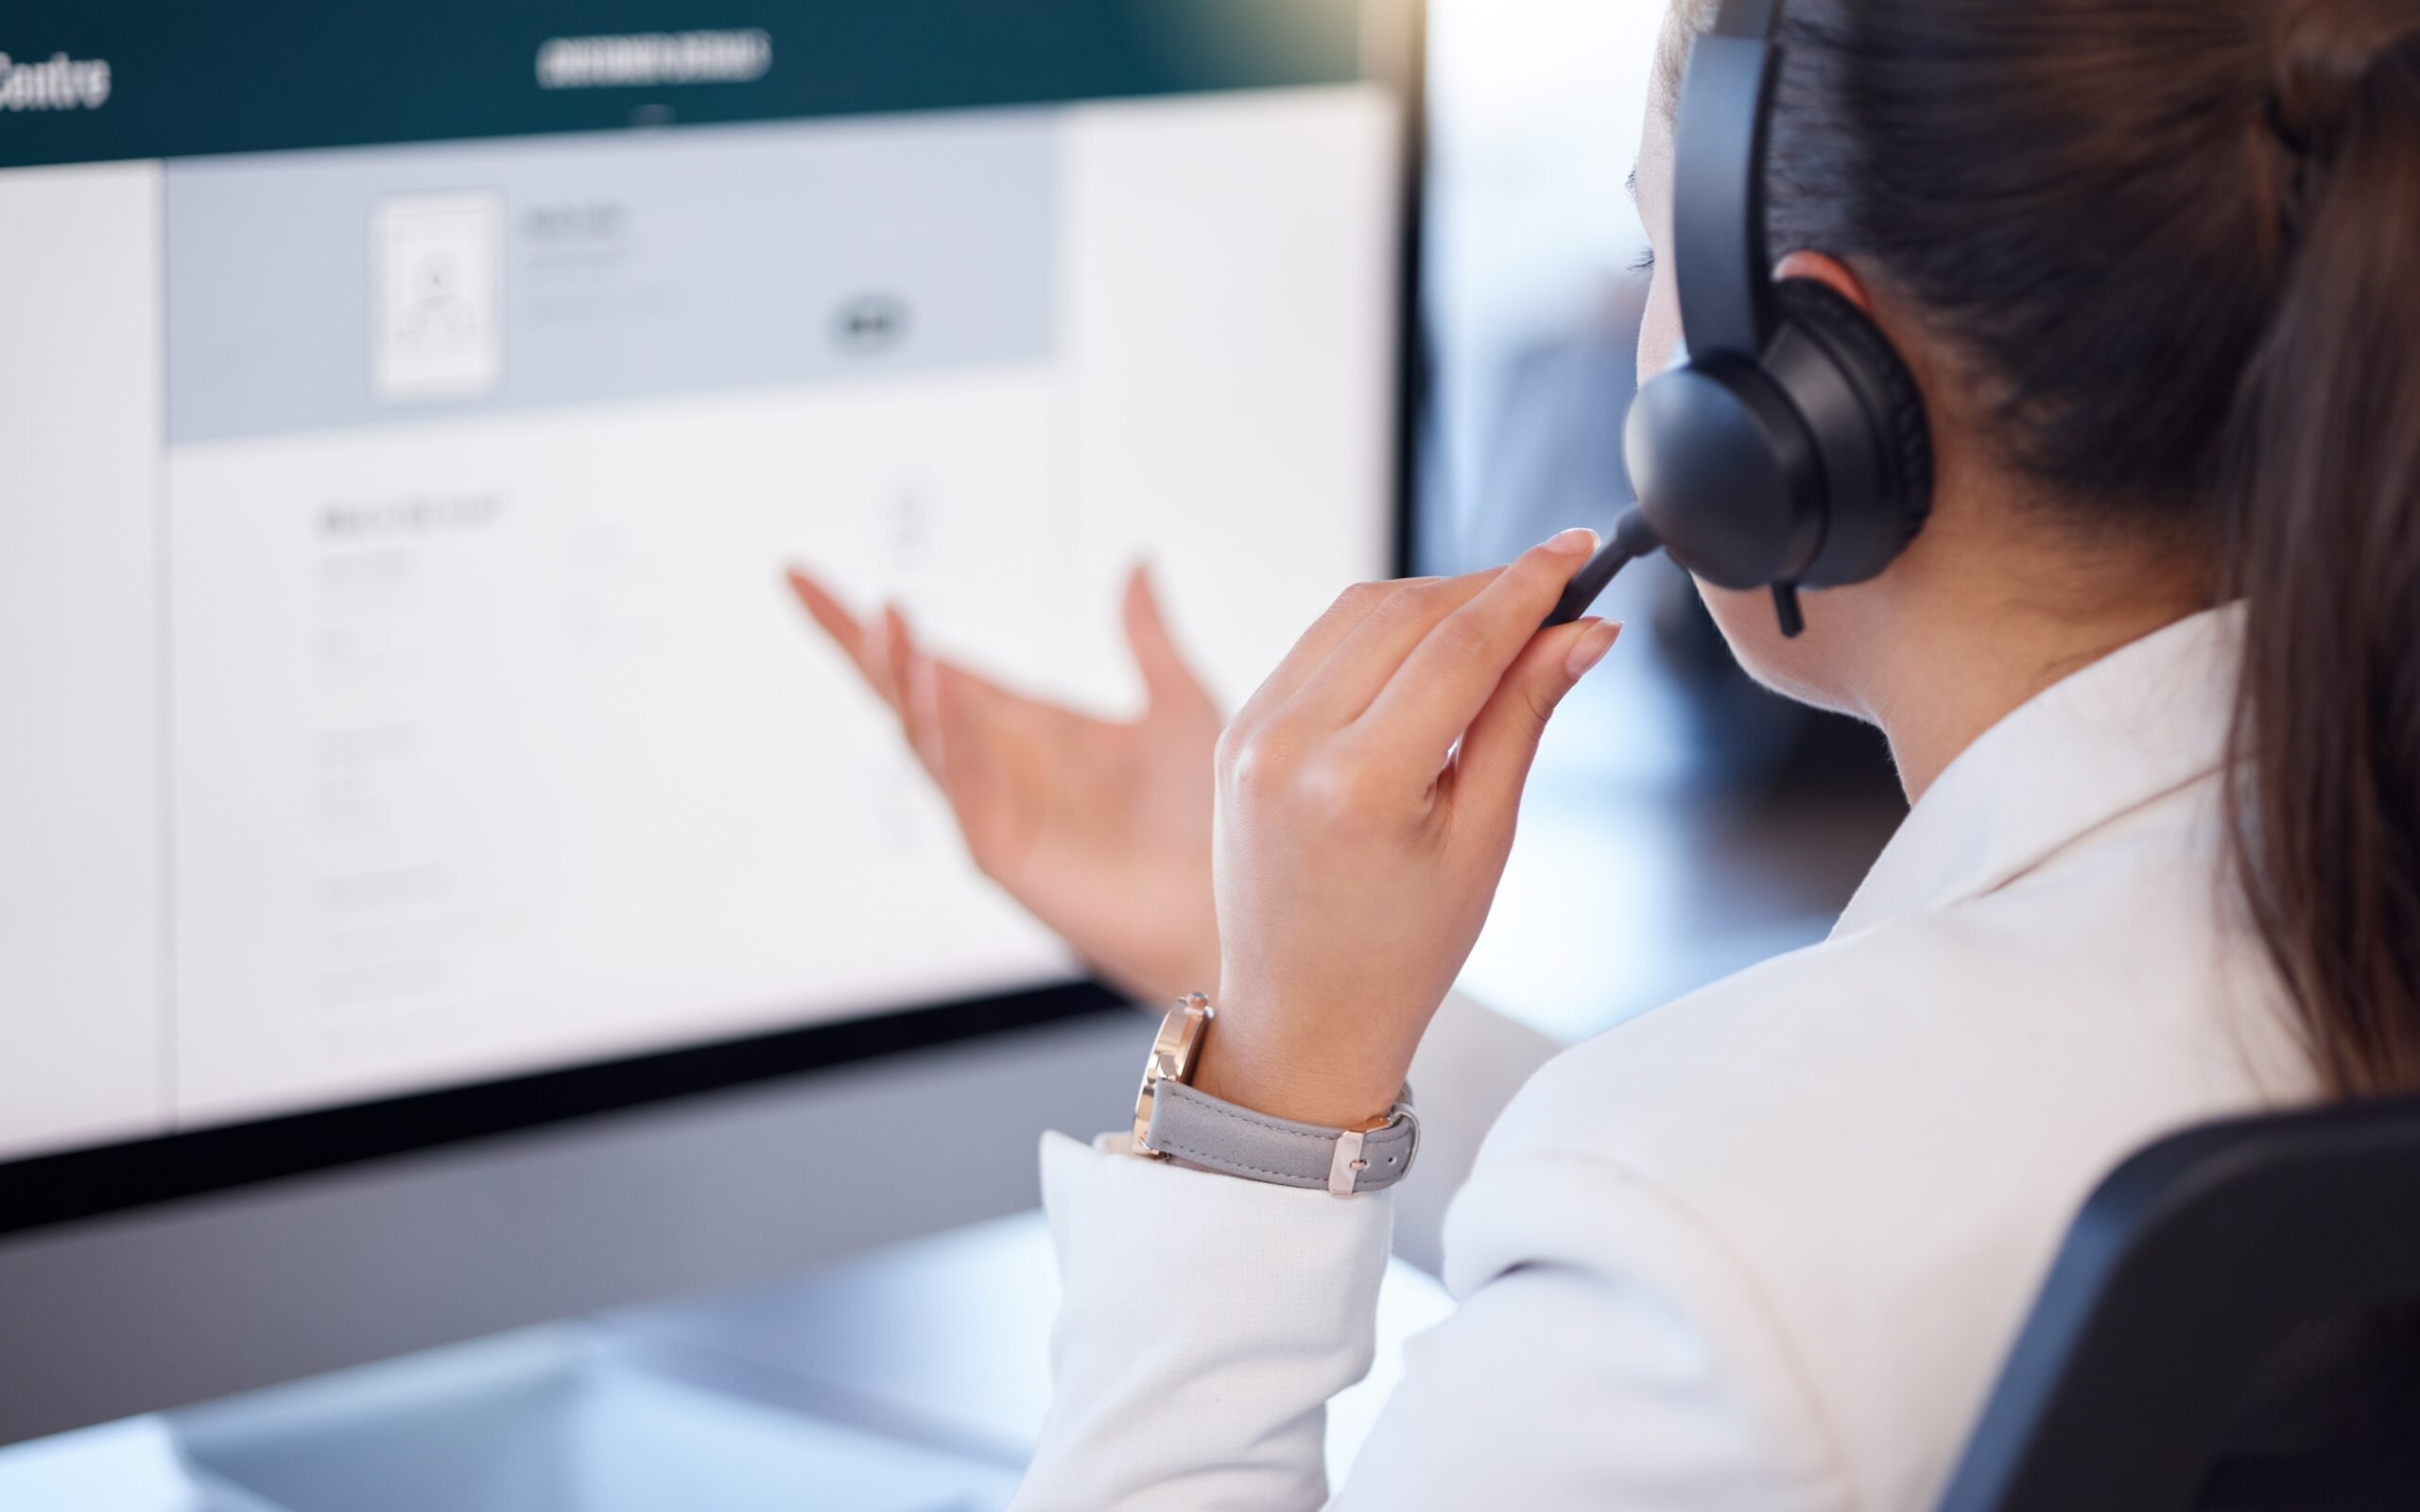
(2102, 995)
(1866, 1152)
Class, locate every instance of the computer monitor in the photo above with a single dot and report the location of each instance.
(423, 804)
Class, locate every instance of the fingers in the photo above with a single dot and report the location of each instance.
(1166, 675)
(1497, 750)
(881, 647)
(884, 652)
(977, 750)
(918, 703)
(892, 649)
(830, 614)
(1318, 643)
(1431, 698)
(982, 744)
(1359, 667)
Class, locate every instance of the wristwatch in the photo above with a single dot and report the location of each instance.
(1172, 1120)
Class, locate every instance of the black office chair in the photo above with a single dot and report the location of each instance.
(2233, 1326)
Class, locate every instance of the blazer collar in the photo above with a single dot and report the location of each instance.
(2143, 722)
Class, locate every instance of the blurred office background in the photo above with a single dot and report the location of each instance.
(1682, 824)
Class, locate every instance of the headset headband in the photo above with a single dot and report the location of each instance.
(1792, 449)
(1724, 270)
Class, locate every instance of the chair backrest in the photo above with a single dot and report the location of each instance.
(2228, 1279)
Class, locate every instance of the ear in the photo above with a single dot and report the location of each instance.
(1828, 272)
(1906, 339)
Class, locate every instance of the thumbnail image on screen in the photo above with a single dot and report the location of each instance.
(397, 472)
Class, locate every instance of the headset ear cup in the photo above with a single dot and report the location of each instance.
(1880, 376)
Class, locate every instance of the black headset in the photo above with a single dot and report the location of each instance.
(1792, 449)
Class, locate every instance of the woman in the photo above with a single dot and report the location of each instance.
(2149, 676)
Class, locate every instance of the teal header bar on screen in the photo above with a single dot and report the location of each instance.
(171, 79)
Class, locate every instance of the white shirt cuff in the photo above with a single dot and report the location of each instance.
(1206, 1321)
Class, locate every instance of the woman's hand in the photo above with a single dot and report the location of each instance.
(1100, 830)
(1367, 795)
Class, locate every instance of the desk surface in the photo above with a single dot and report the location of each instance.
(913, 1378)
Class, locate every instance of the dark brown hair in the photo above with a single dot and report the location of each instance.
(2176, 241)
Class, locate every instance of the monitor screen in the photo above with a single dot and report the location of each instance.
(406, 416)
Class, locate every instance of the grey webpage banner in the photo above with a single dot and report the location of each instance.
(317, 290)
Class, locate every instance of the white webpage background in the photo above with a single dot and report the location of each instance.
(536, 762)
(82, 1058)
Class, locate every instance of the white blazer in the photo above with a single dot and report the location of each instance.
(1763, 1248)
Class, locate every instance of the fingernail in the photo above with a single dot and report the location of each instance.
(1577, 542)
(1591, 649)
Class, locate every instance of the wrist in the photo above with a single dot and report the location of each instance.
(1174, 975)
(1330, 1090)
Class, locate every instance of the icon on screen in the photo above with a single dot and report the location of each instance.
(869, 324)
(438, 291)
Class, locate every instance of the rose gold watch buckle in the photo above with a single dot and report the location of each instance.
(1345, 1167)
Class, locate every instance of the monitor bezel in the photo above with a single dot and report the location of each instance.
(46, 1190)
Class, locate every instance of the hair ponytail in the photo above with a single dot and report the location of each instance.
(2321, 485)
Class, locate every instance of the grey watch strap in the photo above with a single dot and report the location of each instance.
(1192, 1125)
